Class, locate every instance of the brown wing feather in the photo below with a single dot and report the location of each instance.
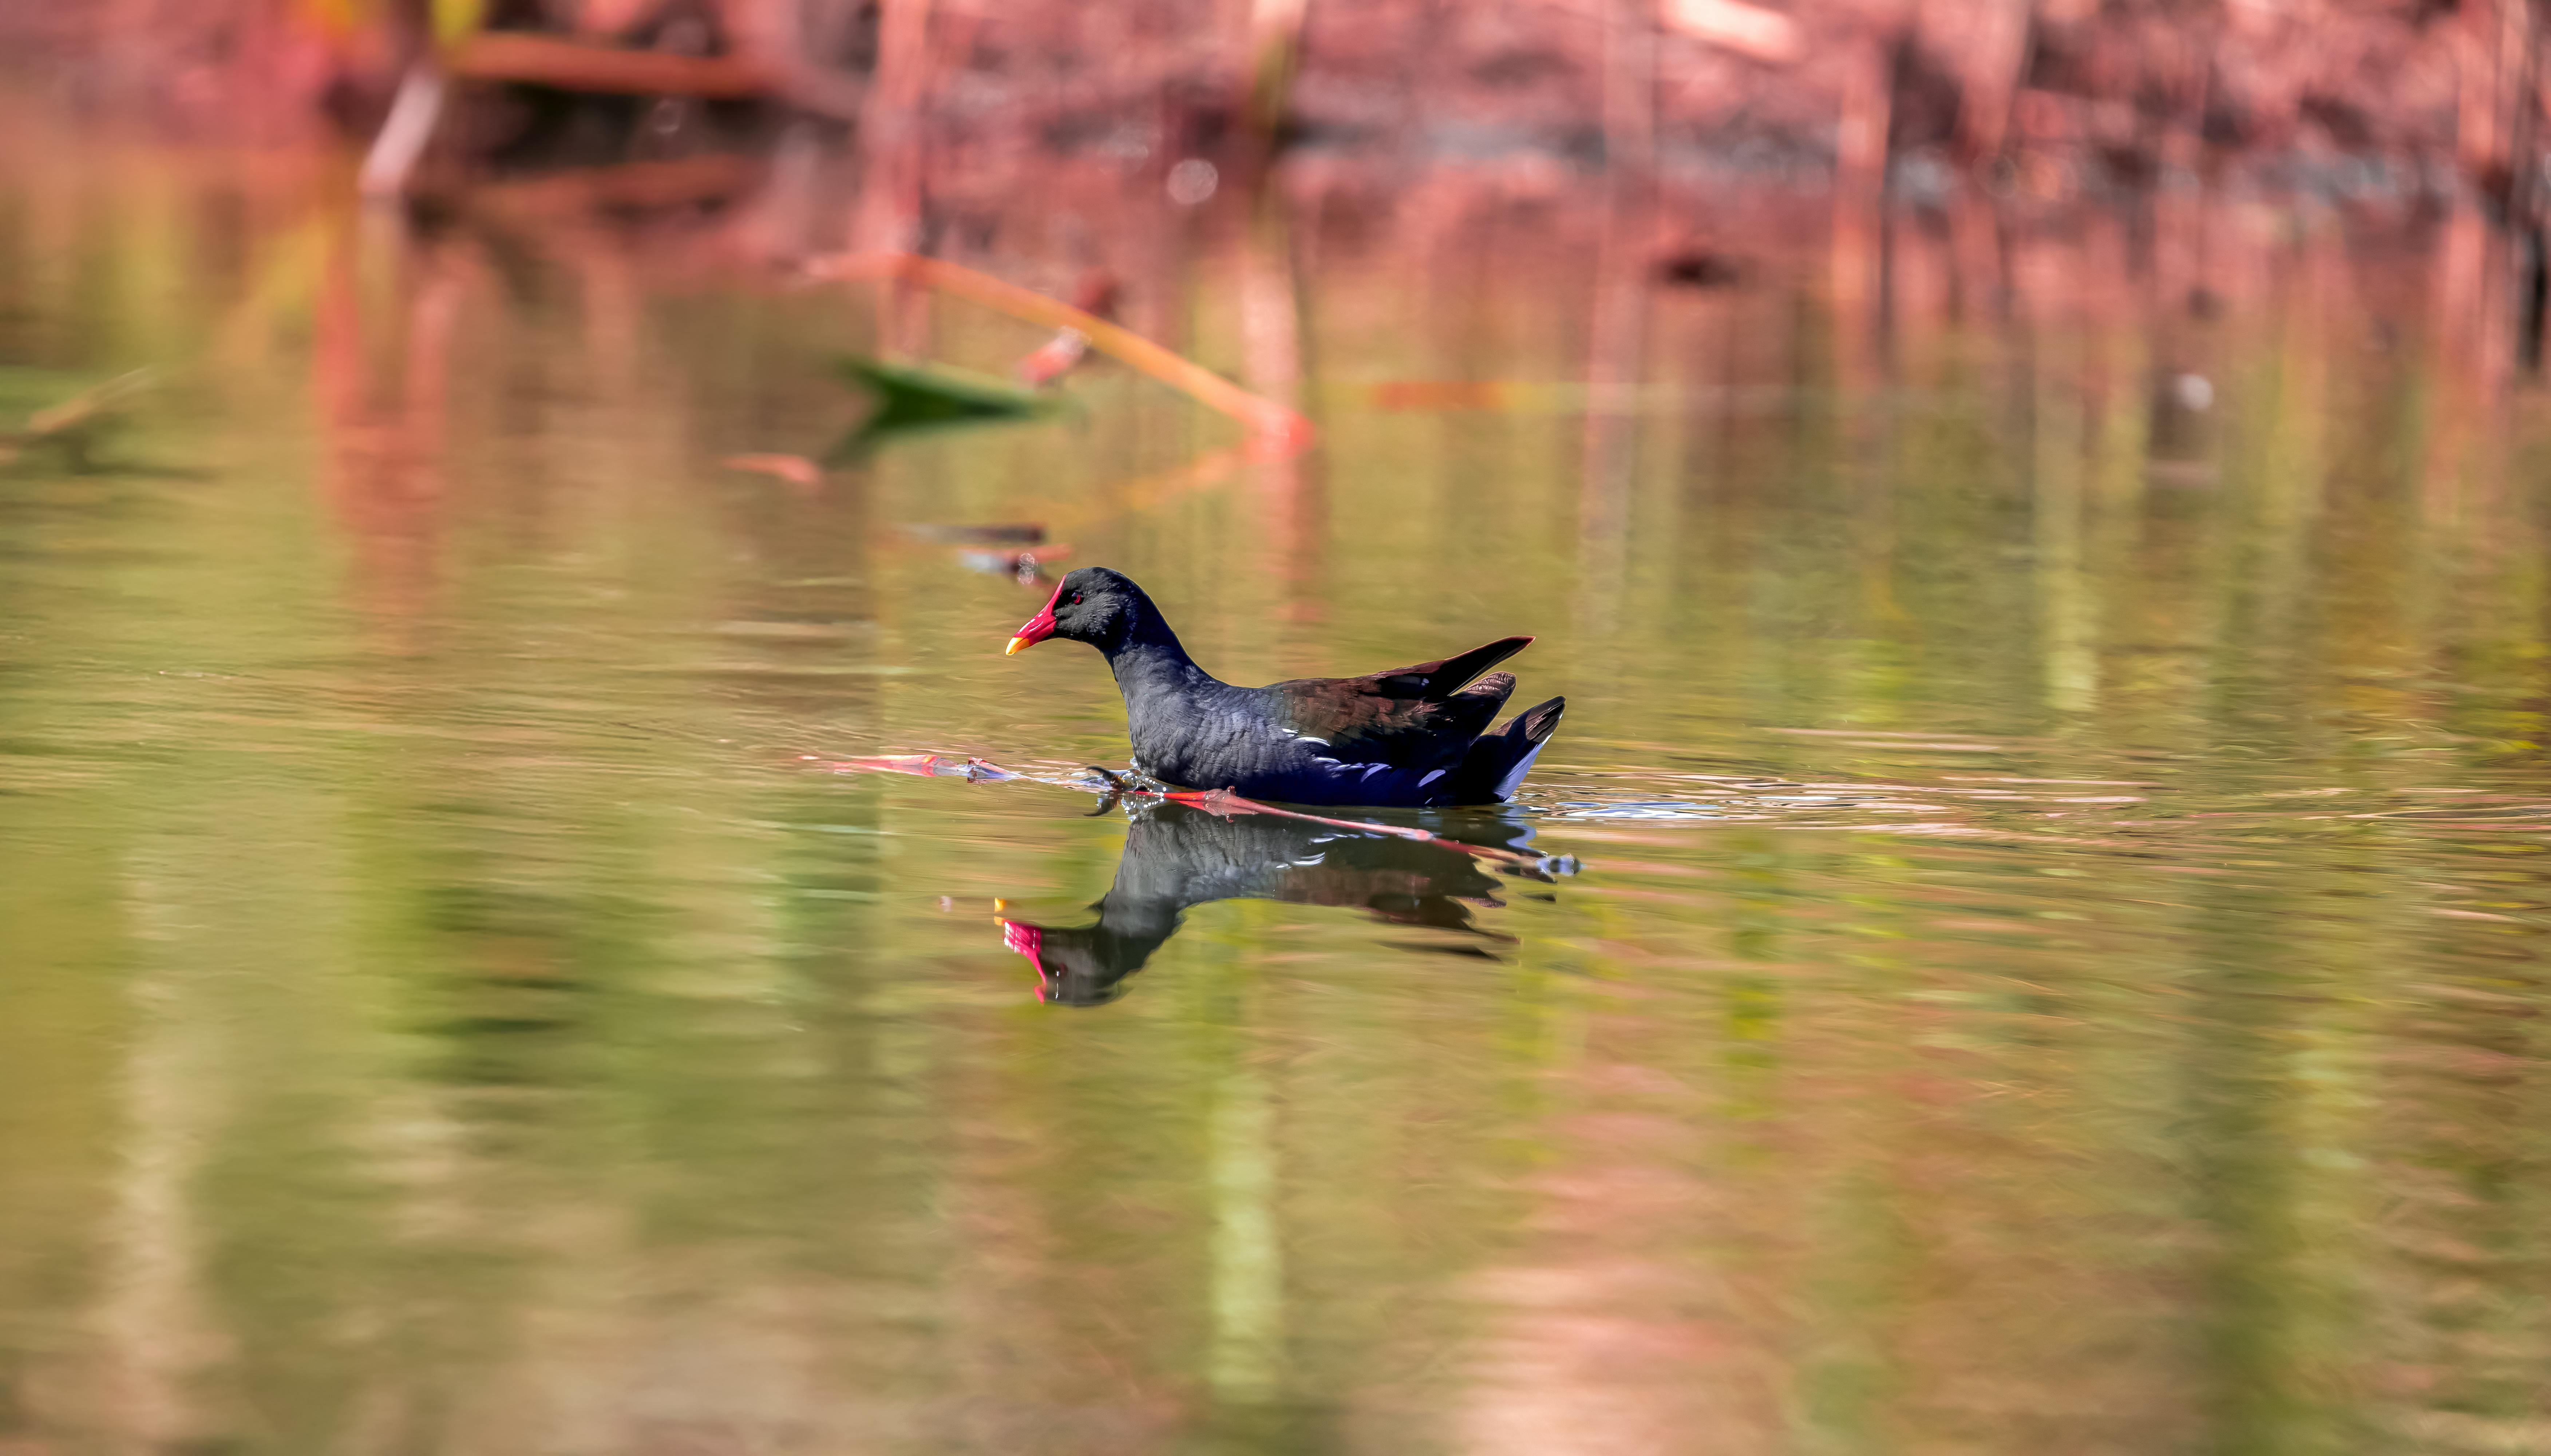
(1444, 677)
(1410, 717)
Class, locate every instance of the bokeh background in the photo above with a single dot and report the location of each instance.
(2029, 938)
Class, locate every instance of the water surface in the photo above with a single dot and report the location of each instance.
(2027, 940)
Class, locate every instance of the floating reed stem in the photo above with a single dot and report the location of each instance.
(1271, 423)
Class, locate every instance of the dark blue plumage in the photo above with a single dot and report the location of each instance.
(1411, 737)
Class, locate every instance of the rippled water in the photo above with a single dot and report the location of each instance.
(2028, 939)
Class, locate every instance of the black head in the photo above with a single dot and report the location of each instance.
(1095, 606)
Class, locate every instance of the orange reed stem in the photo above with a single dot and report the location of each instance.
(1265, 417)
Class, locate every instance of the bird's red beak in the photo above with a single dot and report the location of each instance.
(1036, 628)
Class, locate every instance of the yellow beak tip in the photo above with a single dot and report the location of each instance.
(1016, 643)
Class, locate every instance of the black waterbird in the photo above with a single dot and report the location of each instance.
(1412, 737)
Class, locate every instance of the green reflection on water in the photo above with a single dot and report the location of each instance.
(2056, 967)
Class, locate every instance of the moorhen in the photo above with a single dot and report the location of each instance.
(1177, 857)
(1409, 738)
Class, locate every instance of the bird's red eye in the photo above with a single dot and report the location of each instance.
(1075, 599)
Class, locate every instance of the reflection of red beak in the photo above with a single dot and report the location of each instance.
(1028, 941)
(1036, 628)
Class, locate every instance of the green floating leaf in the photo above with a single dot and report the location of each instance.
(915, 397)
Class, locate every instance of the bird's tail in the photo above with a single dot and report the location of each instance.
(1496, 764)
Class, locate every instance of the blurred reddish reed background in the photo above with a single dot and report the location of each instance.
(2387, 102)
(1677, 142)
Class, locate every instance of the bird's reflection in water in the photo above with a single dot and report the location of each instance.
(1176, 857)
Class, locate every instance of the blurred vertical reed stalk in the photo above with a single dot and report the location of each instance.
(1274, 52)
(1273, 341)
(893, 157)
(1616, 333)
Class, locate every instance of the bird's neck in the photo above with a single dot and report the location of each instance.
(1151, 661)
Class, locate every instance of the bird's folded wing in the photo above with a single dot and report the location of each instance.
(1410, 717)
(1437, 680)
